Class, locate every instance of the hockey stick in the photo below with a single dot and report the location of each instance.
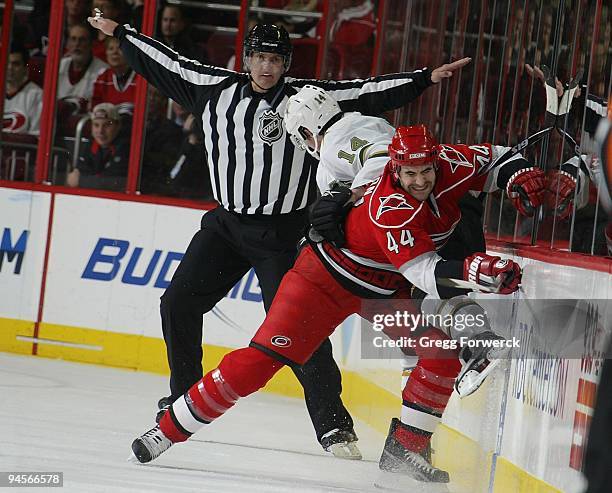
(463, 284)
(554, 110)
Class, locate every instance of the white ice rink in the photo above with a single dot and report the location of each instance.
(81, 419)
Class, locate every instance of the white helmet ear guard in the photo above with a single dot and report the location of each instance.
(312, 109)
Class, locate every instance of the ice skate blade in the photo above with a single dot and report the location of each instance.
(469, 382)
(393, 481)
(133, 459)
(348, 451)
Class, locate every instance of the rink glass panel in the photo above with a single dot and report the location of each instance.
(19, 138)
(494, 99)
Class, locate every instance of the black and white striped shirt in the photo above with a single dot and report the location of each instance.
(254, 167)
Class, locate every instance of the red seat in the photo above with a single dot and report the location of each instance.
(304, 60)
(220, 47)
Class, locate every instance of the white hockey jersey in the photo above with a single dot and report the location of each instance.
(354, 150)
(22, 110)
(83, 89)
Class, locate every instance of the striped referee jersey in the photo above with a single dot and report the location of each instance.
(254, 168)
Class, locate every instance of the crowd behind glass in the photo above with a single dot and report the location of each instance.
(499, 98)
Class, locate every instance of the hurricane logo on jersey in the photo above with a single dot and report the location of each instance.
(13, 121)
(391, 203)
(454, 157)
(270, 127)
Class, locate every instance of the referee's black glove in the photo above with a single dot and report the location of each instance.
(327, 214)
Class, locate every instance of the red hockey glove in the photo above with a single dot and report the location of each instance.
(563, 202)
(503, 275)
(526, 189)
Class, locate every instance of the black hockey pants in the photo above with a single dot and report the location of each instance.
(219, 255)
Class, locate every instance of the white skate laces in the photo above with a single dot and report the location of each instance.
(150, 445)
(423, 470)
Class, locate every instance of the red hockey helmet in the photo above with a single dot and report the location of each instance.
(412, 146)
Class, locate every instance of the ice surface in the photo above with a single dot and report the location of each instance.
(81, 419)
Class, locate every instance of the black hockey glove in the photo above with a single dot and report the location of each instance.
(327, 214)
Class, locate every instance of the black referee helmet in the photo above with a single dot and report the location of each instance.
(268, 38)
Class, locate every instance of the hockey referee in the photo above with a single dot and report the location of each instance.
(263, 184)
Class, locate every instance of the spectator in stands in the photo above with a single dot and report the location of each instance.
(77, 11)
(295, 24)
(78, 70)
(112, 9)
(23, 101)
(104, 163)
(117, 84)
(175, 33)
(161, 146)
(189, 177)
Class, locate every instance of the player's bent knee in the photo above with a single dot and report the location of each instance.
(248, 369)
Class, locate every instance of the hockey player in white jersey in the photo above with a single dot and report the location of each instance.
(23, 101)
(79, 69)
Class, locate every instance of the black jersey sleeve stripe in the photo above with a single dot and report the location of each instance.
(186, 81)
(375, 95)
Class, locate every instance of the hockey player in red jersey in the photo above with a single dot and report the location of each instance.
(391, 240)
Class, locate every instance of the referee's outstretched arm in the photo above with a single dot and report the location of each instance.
(191, 84)
(188, 82)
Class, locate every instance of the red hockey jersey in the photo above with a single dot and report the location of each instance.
(391, 231)
(106, 90)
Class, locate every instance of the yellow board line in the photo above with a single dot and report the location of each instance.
(366, 400)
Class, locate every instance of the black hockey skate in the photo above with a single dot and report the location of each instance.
(479, 362)
(163, 404)
(341, 443)
(150, 445)
(398, 459)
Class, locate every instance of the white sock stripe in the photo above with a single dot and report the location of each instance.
(184, 416)
(421, 391)
(224, 388)
(210, 401)
(197, 411)
(446, 382)
(419, 419)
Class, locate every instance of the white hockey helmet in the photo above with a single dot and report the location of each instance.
(311, 109)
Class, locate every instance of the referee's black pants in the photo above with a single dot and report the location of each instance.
(220, 253)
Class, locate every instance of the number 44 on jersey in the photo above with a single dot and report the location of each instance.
(405, 239)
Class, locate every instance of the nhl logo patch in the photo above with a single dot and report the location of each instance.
(270, 127)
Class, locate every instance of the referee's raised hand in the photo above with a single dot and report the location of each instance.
(445, 71)
(107, 26)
